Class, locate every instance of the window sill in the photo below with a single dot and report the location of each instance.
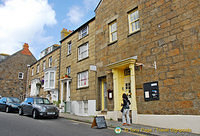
(82, 88)
(68, 55)
(130, 34)
(109, 44)
(82, 59)
(82, 37)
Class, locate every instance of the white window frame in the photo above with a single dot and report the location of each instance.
(69, 48)
(49, 49)
(50, 61)
(134, 23)
(81, 78)
(32, 73)
(21, 75)
(82, 32)
(68, 69)
(38, 68)
(47, 80)
(83, 53)
(44, 65)
(112, 32)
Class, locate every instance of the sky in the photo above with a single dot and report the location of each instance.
(39, 22)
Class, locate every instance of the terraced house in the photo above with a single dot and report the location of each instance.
(44, 74)
(77, 72)
(149, 49)
(13, 72)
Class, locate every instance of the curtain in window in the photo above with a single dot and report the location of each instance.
(83, 79)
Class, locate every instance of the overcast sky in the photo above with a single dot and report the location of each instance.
(39, 22)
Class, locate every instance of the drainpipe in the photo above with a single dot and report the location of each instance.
(27, 84)
(59, 75)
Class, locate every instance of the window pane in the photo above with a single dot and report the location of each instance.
(83, 32)
(69, 48)
(113, 27)
(114, 36)
(83, 79)
(46, 79)
(44, 65)
(51, 79)
(83, 51)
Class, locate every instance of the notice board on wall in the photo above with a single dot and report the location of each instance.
(151, 91)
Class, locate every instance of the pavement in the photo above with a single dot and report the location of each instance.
(135, 128)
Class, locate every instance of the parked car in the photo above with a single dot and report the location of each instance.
(9, 104)
(38, 107)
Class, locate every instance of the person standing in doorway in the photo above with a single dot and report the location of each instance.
(126, 103)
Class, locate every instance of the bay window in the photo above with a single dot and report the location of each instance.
(49, 80)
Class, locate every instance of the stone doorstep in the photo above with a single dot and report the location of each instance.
(113, 124)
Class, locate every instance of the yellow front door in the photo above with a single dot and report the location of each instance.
(104, 94)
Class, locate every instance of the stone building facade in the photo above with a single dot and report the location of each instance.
(77, 73)
(13, 73)
(154, 42)
(44, 74)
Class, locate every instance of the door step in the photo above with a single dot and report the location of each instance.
(103, 112)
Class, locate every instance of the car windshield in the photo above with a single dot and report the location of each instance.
(42, 101)
(14, 100)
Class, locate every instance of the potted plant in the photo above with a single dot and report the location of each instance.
(66, 76)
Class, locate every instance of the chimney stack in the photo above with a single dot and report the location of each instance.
(65, 33)
(26, 50)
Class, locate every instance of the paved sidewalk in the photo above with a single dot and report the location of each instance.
(136, 128)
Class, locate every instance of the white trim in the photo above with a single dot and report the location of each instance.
(47, 86)
(84, 51)
(32, 71)
(38, 68)
(44, 65)
(69, 50)
(80, 77)
(81, 32)
(50, 62)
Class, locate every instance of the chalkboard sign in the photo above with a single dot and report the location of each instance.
(100, 122)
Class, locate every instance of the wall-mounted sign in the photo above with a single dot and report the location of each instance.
(151, 91)
(110, 94)
(93, 68)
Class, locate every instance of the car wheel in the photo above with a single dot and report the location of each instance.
(20, 111)
(35, 114)
(7, 109)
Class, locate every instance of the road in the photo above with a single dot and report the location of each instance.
(11, 124)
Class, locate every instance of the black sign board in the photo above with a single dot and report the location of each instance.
(100, 122)
(151, 91)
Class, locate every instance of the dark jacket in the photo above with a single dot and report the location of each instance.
(126, 103)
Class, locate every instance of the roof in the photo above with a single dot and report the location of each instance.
(77, 29)
(24, 51)
(98, 5)
(11, 56)
(45, 55)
